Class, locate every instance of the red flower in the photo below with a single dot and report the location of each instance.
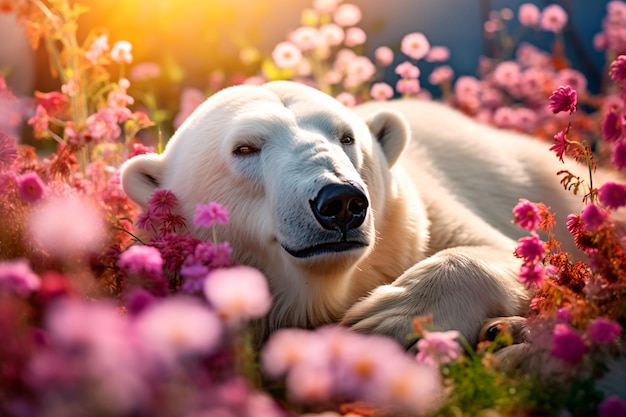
(563, 99)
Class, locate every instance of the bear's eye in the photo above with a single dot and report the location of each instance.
(244, 150)
(347, 139)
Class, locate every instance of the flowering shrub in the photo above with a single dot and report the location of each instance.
(106, 315)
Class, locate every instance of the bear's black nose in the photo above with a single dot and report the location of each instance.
(340, 207)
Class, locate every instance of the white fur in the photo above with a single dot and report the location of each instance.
(438, 228)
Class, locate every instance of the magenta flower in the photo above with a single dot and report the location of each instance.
(31, 187)
(532, 275)
(567, 344)
(562, 144)
(618, 157)
(617, 71)
(531, 249)
(612, 126)
(612, 195)
(526, 215)
(563, 99)
(238, 294)
(612, 406)
(602, 331)
(437, 348)
(553, 18)
(162, 201)
(209, 214)
(593, 217)
(17, 276)
(415, 45)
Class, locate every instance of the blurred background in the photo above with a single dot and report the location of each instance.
(193, 38)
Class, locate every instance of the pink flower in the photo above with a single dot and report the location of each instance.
(408, 86)
(553, 18)
(384, 56)
(332, 34)
(310, 383)
(285, 349)
(532, 275)
(612, 406)
(354, 37)
(573, 78)
(531, 249)
(97, 48)
(415, 45)
(8, 151)
(40, 121)
(346, 99)
(612, 195)
(305, 38)
(140, 259)
(407, 70)
(441, 74)
(563, 99)
(526, 215)
(190, 99)
(593, 217)
(381, 91)
(361, 68)
(103, 125)
(562, 144)
(178, 327)
(612, 126)
(239, 293)
(507, 74)
(31, 187)
(67, 226)
(121, 52)
(325, 6)
(437, 348)
(526, 119)
(145, 71)
(16, 275)
(528, 14)
(209, 214)
(286, 55)
(505, 117)
(567, 344)
(438, 54)
(602, 331)
(347, 15)
(53, 102)
(617, 71)
(618, 156)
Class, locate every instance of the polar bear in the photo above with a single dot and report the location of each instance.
(367, 217)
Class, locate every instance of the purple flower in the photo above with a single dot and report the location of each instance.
(531, 249)
(239, 293)
(612, 195)
(612, 406)
(532, 274)
(563, 99)
(437, 348)
(209, 214)
(16, 275)
(31, 187)
(593, 217)
(602, 331)
(567, 344)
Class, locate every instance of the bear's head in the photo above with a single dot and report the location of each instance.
(304, 180)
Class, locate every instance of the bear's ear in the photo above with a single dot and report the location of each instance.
(392, 131)
(141, 175)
